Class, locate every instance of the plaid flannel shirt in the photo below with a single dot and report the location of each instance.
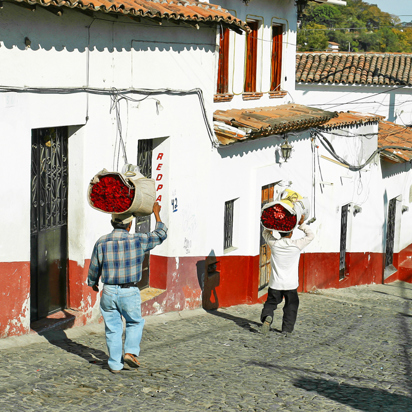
(117, 257)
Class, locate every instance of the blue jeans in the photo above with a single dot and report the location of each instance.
(115, 303)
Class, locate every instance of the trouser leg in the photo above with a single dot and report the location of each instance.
(113, 327)
(290, 310)
(272, 302)
(131, 311)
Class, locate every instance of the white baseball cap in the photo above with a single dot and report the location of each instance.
(122, 218)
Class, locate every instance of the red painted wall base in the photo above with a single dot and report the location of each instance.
(193, 282)
(14, 298)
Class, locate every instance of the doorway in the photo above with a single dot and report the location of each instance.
(48, 221)
(144, 161)
(390, 232)
(343, 238)
(265, 253)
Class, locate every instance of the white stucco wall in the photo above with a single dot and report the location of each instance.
(75, 51)
(267, 13)
(197, 177)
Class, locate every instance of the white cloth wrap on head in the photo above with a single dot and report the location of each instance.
(124, 218)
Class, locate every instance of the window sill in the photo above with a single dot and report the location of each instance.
(229, 249)
(252, 96)
(278, 94)
(225, 97)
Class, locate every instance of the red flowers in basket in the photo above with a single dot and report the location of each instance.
(110, 194)
(278, 218)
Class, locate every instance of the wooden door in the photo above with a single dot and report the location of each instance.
(265, 253)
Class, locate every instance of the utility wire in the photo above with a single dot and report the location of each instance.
(329, 147)
(123, 93)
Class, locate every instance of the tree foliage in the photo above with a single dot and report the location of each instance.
(358, 26)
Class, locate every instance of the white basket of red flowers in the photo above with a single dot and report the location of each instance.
(115, 193)
(284, 214)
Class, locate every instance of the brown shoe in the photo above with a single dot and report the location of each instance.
(131, 360)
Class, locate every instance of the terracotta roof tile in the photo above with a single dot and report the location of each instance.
(194, 11)
(354, 68)
(391, 134)
(242, 124)
(351, 118)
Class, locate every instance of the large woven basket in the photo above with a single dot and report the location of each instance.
(294, 203)
(144, 195)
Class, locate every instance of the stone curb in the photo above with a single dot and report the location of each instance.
(93, 328)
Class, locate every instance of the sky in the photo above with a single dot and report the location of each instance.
(401, 8)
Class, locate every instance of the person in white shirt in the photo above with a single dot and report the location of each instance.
(284, 279)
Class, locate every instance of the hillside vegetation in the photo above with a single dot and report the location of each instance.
(359, 26)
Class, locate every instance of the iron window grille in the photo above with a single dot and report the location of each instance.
(228, 238)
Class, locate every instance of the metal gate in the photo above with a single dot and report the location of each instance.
(343, 236)
(144, 161)
(390, 232)
(48, 221)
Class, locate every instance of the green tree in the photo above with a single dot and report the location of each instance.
(313, 38)
(358, 26)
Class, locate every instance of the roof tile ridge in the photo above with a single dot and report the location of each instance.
(307, 67)
(299, 66)
(340, 68)
(353, 68)
(322, 63)
(312, 71)
(396, 69)
(407, 78)
(335, 62)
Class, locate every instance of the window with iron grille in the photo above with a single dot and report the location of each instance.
(343, 236)
(390, 232)
(228, 239)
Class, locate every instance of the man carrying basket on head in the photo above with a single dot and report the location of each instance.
(117, 261)
(284, 279)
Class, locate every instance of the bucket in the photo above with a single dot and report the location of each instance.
(284, 214)
(115, 193)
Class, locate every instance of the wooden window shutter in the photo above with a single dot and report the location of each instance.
(251, 57)
(223, 69)
(277, 39)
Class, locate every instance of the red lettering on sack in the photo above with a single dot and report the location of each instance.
(159, 177)
(159, 198)
(159, 166)
(159, 187)
(159, 156)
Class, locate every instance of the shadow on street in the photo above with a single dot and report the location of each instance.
(357, 397)
(94, 356)
(246, 324)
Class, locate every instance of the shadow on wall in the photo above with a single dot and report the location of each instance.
(208, 274)
(358, 397)
(75, 31)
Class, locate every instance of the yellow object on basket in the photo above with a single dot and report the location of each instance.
(290, 197)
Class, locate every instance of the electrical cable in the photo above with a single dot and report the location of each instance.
(123, 92)
(328, 146)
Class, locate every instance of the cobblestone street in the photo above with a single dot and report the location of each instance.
(351, 351)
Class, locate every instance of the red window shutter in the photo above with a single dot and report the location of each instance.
(223, 69)
(251, 57)
(277, 39)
